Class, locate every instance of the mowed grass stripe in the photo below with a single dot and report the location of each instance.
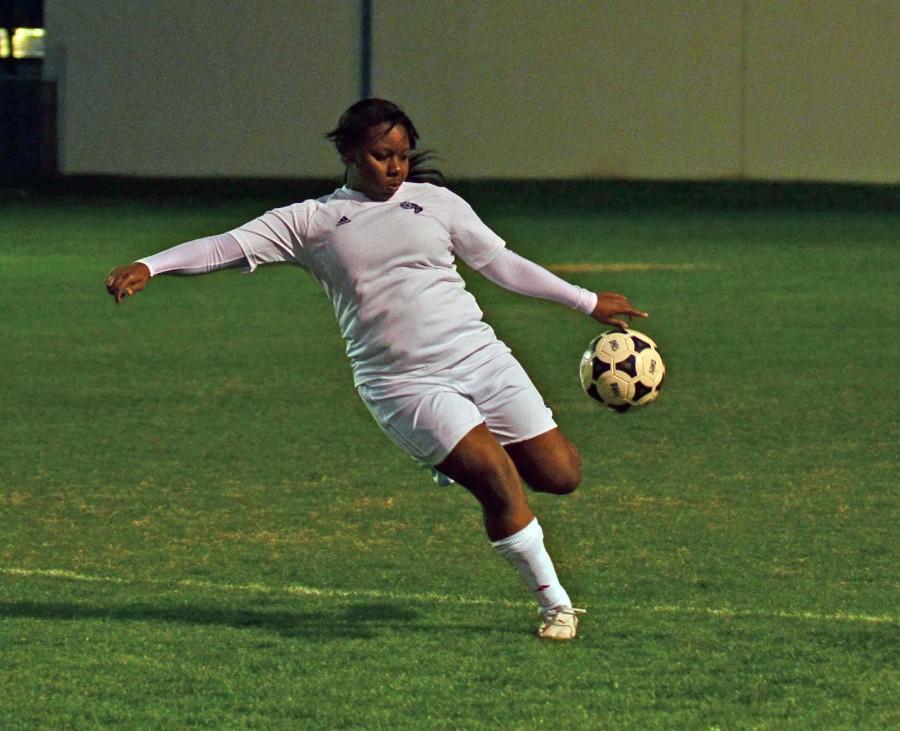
(802, 615)
(294, 589)
(434, 597)
(626, 266)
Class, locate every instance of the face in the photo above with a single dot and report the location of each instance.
(381, 164)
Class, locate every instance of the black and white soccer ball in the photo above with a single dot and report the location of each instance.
(621, 369)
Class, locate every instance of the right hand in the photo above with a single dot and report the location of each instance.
(128, 280)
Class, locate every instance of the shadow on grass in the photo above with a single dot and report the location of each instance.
(356, 621)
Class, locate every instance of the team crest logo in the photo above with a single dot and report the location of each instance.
(410, 206)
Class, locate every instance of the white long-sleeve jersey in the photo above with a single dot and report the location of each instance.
(388, 268)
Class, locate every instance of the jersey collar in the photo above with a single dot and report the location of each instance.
(346, 193)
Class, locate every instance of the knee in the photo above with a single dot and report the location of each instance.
(548, 463)
(563, 482)
(568, 483)
(563, 477)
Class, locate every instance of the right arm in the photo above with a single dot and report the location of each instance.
(194, 257)
(276, 236)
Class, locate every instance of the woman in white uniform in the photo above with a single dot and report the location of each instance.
(429, 369)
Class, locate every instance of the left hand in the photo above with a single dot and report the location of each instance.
(610, 304)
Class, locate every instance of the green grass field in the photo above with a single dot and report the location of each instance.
(203, 527)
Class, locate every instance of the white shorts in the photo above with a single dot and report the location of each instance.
(426, 416)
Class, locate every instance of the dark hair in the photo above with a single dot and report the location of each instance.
(354, 124)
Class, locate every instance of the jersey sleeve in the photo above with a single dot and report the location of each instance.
(473, 241)
(276, 236)
(196, 257)
(523, 276)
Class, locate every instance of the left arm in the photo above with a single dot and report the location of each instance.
(517, 274)
(483, 250)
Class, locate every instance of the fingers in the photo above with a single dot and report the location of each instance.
(111, 278)
(624, 307)
(621, 324)
(611, 306)
(114, 283)
(117, 284)
(124, 282)
(631, 313)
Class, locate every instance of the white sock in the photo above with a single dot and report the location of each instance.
(526, 551)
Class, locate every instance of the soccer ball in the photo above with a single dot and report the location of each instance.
(621, 369)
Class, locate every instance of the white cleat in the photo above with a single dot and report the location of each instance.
(560, 623)
(440, 478)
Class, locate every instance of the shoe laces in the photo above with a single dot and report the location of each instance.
(553, 614)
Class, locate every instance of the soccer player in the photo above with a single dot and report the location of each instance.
(432, 373)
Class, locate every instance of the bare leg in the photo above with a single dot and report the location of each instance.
(487, 470)
(548, 462)
(481, 465)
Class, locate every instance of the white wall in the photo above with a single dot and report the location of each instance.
(823, 90)
(622, 88)
(202, 87)
(700, 89)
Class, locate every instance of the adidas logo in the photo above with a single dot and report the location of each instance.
(343, 220)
